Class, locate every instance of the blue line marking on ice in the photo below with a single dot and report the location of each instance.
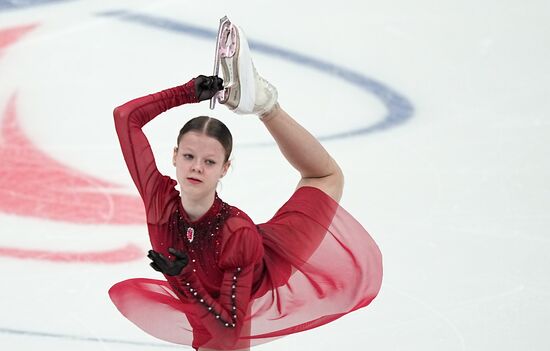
(400, 109)
(17, 4)
(83, 338)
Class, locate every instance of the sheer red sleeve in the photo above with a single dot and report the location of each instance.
(225, 318)
(129, 120)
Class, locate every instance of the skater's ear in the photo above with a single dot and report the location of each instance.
(174, 155)
(225, 167)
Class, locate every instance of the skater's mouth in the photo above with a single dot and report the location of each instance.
(194, 180)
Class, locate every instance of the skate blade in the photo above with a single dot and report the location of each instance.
(226, 43)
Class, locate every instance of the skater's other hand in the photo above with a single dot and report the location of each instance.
(207, 87)
(162, 264)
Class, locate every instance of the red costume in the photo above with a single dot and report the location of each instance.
(245, 284)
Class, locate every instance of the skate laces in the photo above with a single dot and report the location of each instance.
(266, 94)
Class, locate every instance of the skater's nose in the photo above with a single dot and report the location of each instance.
(196, 166)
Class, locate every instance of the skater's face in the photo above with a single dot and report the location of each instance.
(200, 163)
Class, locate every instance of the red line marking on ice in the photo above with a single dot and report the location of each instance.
(127, 253)
(35, 185)
(11, 35)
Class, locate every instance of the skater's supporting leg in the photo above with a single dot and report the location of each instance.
(203, 349)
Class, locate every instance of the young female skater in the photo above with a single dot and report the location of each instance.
(231, 284)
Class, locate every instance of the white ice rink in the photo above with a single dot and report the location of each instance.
(437, 111)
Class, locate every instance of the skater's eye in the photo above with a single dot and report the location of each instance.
(210, 162)
(188, 156)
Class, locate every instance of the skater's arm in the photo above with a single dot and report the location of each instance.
(305, 153)
(129, 120)
(224, 316)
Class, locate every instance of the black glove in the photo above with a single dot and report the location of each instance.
(164, 265)
(207, 87)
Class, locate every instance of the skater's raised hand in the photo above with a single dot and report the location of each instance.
(207, 87)
(162, 264)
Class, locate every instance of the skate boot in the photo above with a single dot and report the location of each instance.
(245, 91)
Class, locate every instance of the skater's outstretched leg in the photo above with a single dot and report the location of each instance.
(249, 93)
(317, 168)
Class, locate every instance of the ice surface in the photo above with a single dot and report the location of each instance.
(436, 111)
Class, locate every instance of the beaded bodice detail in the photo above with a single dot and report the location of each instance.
(201, 239)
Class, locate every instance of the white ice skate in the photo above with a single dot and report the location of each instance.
(245, 91)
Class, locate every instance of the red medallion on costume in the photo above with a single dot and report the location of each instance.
(190, 234)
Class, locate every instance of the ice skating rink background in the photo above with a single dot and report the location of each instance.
(437, 111)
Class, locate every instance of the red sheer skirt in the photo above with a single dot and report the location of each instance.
(319, 264)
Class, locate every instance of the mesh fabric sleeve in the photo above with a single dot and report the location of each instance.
(129, 121)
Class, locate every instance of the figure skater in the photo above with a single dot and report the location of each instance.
(230, 283)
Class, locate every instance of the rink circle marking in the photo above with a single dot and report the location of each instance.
(399, 108)
(22, 332)
(6, 5)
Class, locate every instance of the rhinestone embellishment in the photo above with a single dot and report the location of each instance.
(217, 315)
